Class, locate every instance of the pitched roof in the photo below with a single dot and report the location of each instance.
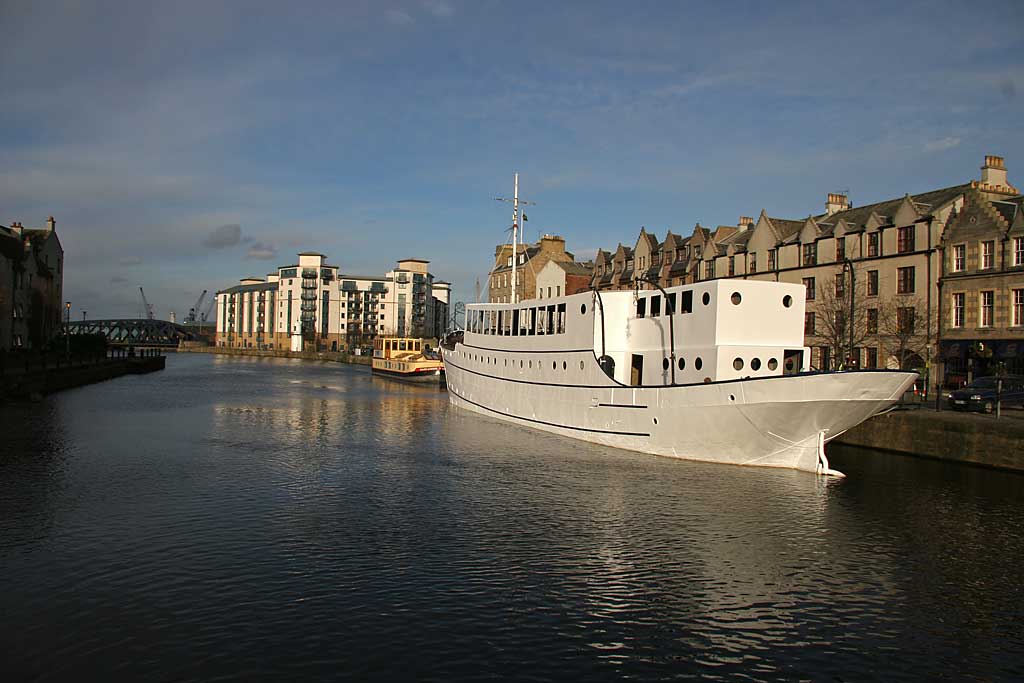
(925, 202)
(574, 268)
(1007, 209)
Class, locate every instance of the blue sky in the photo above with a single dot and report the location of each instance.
(373, 131)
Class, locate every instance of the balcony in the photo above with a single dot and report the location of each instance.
(308, 296)
(309, 273)
(309, 284)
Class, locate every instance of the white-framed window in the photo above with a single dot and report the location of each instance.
(987, 302)
(959, 257)
(1018, 251)
(958, 309)
(1017, 314)
(988, 252)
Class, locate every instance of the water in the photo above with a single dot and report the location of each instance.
(242, 519)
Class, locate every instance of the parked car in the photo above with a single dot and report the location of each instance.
(981, 394)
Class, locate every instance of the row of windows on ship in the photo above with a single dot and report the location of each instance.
(698, 363)
(540, 320)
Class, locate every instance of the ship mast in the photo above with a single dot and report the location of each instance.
(515, 233)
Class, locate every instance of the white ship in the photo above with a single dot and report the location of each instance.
(724, 377)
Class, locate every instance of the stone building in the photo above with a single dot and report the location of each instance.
(872, 270)
(981, 326)
(31, 286)
(530, 259)
(561, 278)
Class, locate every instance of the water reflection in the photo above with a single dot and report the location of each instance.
(246, 518)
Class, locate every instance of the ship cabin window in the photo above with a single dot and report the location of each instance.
(561, 318)
(401, 345)
(655, 306)
(686, 306)
(550, 319)
(515, 323)
(670, 304)
(641, 307)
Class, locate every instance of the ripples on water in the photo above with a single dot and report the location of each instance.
(241, 519)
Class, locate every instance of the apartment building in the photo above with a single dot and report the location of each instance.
(530, 259)
(31, 286)
(310, 305)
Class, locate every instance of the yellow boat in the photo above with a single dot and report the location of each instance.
(408, 359)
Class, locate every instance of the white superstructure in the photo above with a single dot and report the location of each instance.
(724, 377)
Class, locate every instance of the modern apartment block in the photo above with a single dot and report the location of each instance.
(31, 286)
(309, 305)
(877, 271)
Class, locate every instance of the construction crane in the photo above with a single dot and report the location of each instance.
(194, 312)
(209, 309)
(146, 306)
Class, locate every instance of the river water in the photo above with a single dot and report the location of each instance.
(243, 519)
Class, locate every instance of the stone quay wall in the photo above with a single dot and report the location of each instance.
(35, 381)
(946, 435)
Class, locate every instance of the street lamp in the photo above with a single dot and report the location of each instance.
(67, 329)
(83, 316)
(848, 265)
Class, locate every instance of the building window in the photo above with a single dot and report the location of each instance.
(905, 316)
(771, 259)
(1017, 315)
(958, 309)
(959, 257)
(840, 285)
(874, 242)
(709, 270)
(872, 283)
(808, 323)
(988, 250)
(871, 357)
(872, 323)
(840, 248)
(905, 239)
(732, 266)
(809, 286)
(810, 254)
(905, 280)
(1018, 251)
(987, 302)
(753, 262)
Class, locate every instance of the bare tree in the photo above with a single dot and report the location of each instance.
(832, 322)
(902, 331)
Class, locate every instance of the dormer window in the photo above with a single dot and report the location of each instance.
(509, 264)
(811, 254)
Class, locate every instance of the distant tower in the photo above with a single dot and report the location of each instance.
(477, 299)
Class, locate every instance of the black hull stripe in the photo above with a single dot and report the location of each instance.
(487, 348)
(620, 405)
(552, 424)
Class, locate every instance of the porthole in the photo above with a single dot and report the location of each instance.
(706, 299)
(520, 363)
(698, 363)
(664, 363)
(787, 301)
(554, 365)
(506, 362)
(737, 364)
(565, 366)
(531, 364)
(755, 363)
(682, 363)
(583, 309)
(655, 420)
(581, 365)
(736, 298)
(772, 364)
(732, 397)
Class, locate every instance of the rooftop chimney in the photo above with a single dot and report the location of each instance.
(993, 173)
(51, 224)
(837, 201)
(745, 222)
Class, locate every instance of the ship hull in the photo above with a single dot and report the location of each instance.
(769, 422)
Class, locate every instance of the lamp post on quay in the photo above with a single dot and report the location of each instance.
(67, 329)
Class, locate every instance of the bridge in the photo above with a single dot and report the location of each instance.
(141, 331)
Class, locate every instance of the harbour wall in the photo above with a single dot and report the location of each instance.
(35, 382)
(334, 356)
(945, 435)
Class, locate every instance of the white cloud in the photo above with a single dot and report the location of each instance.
(224, 236)
(942, 144)
(260, 251)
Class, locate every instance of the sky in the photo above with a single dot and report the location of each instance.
(183, 146)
